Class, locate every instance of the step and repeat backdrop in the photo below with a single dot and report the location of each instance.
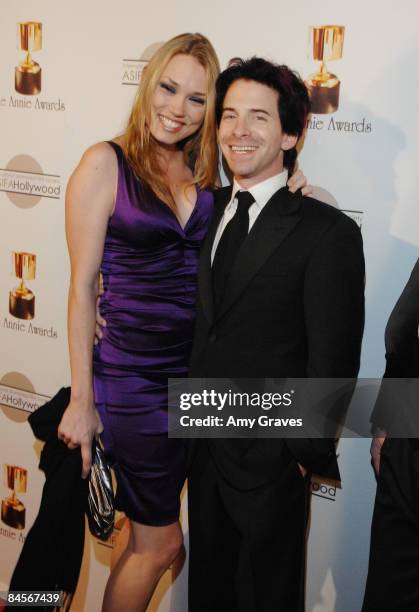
(68, 75)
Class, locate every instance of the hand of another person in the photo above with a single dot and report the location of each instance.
(376, 446)
(299, 181)
(78, 427)
(100, 322)
(302, 470)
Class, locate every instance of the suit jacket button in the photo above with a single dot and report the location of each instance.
(212, 337)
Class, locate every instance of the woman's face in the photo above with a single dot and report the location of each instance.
(179, 101)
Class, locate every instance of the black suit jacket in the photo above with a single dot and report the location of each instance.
(395, 410)
(293, 307)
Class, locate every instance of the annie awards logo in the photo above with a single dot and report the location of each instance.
(326, 44)
(28, 75)
(22, 298)
(13, 511)
(324, 87)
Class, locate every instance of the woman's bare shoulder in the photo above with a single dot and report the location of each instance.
(100, 157)
(95, 177)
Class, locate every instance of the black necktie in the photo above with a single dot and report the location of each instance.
(231, 240)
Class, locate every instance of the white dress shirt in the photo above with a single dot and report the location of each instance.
(262, 193)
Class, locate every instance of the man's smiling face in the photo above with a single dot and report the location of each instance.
(250, 132)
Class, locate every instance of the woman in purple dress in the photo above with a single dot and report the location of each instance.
(137, 210)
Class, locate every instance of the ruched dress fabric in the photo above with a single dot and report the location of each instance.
(149, 271)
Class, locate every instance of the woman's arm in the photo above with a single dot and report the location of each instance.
(90, 201)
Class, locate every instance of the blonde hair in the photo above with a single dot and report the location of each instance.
(200, 150)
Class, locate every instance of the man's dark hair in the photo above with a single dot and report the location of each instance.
(293, 100)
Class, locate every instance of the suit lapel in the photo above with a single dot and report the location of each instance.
(276, 221)
(221, 199)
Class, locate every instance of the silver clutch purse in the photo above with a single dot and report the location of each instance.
(100, 498)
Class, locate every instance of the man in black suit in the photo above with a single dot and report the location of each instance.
(393, 572)
(281, 285)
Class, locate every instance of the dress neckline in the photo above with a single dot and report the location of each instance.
(183, 228)
(174, 215)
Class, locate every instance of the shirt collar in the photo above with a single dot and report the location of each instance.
(262, 192)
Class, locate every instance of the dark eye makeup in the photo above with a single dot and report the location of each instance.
(197, 100)
(172, 89)
(168, 87)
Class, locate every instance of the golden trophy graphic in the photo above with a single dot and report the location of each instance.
(21, 299)
(28, 73)
(13, 512)
(326, 43)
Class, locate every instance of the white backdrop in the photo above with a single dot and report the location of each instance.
(364, 155)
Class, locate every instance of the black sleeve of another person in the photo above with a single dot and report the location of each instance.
(402, 355)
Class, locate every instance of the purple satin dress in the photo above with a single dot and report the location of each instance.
(149, 270)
